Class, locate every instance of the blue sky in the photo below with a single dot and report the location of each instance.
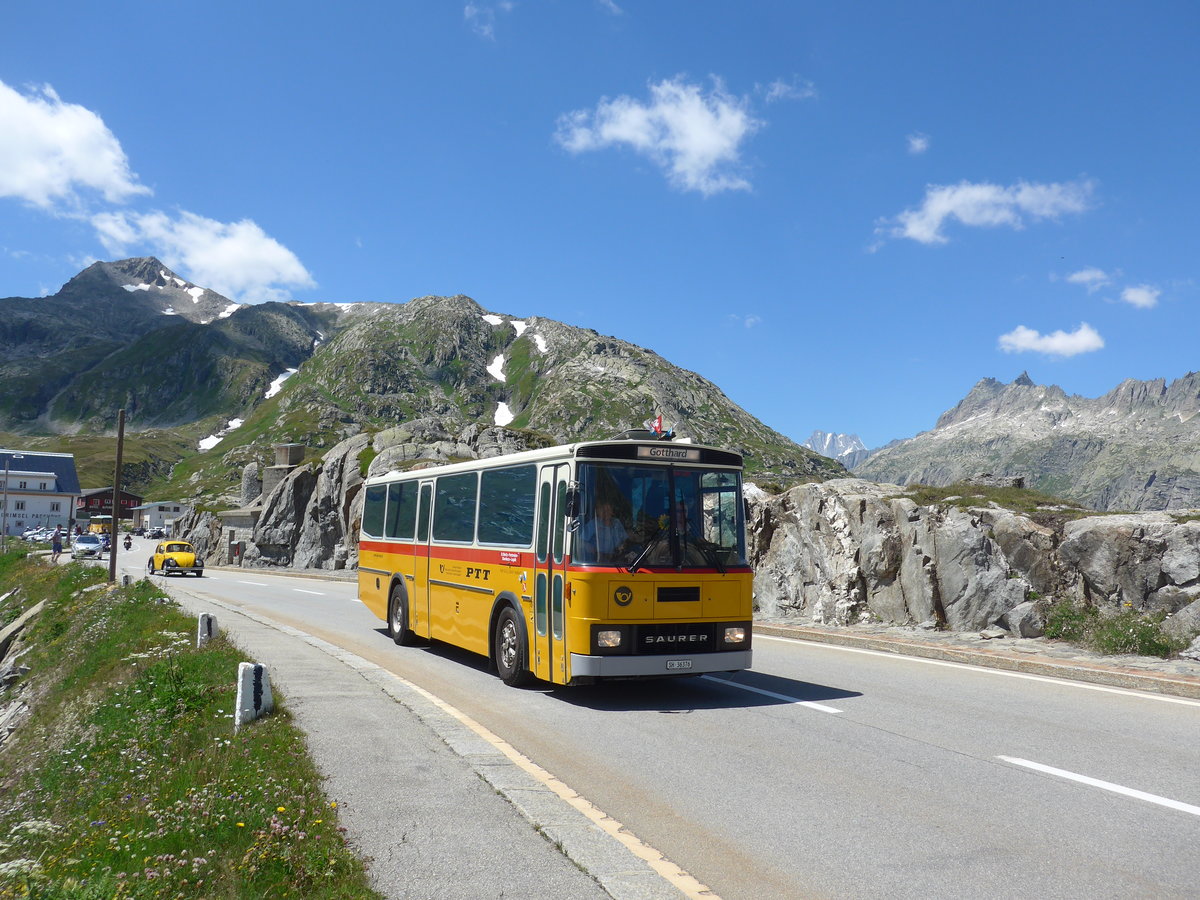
(844, 214)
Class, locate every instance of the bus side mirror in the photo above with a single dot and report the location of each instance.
(573, 495)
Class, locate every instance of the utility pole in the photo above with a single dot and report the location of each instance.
(116, 499)
(4, 528)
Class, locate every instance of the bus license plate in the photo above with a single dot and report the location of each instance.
(678, 664)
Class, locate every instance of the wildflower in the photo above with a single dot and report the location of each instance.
(241, 824)
(18, 867)
(281, 809)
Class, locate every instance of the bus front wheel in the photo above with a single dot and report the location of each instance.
(398, 619)
(510, 649)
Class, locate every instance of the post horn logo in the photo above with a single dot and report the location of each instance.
(623, 595)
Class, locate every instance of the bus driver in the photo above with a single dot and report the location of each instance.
(604, 533)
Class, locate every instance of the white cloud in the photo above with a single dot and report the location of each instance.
(796, 89)
(748, 321)
(694, 137)
(1143, 296)
(986, 205)
(482, 18)
(50, 151)
(918, 143)
(609, 7)
(1093, 279)
(1083, 339)
(236, 259)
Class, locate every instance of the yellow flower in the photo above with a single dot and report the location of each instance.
(333, 804)
(280, 809)
(241, 824)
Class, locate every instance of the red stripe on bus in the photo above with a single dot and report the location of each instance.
(462, 554)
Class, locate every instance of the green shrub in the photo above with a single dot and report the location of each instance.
(1130, 631)
(1126, 632)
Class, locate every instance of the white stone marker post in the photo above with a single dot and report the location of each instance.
(206, 629)
(253, 694)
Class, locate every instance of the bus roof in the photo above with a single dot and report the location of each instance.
(643, 451)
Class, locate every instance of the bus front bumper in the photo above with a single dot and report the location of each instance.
(646, 665)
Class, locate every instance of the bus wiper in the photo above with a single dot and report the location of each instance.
(650, 545)
(711, 555)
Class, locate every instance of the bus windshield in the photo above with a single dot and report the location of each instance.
(645, 516)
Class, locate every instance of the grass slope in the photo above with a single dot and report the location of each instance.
(127, 780)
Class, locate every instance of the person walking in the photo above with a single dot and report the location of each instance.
(56, 544)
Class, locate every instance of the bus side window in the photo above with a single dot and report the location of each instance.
(543, 535)
(373, 506)
(401, 510)
(423, 513)
(560, 527)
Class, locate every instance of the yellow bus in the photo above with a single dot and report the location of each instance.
(100, 525)
(622, 558)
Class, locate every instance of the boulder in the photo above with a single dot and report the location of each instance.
(1027, 620)
(1185, 624)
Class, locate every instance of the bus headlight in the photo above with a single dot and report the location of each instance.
(608, 639)
(735, 635)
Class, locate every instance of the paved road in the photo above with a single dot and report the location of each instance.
(828, 772)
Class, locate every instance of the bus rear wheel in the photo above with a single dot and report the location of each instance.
(510, 649)
(398, 619)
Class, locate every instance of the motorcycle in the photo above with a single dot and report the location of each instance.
(128, 542)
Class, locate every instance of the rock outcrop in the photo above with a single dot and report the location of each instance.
(850, 551)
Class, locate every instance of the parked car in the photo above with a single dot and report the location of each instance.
(87, 545)
(41, 535)
(158, 534)
(175, 558)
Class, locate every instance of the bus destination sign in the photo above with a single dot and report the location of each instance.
(679, 453)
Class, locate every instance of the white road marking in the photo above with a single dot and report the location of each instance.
(1105, 785)
(1083, 686)
(302, 591)
(820, 707)
(255, 583)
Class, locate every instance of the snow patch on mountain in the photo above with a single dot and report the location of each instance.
(213, 439)
(277, 384)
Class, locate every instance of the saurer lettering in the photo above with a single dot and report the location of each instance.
(675, 638)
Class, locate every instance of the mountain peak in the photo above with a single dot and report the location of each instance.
(1024, 380)
(157, 287)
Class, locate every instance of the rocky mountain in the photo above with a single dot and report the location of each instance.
(133, 335)
(848, 449)
(1135, 448)
(449, 358)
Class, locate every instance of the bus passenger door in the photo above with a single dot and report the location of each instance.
(548, 646)
(421, 551)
